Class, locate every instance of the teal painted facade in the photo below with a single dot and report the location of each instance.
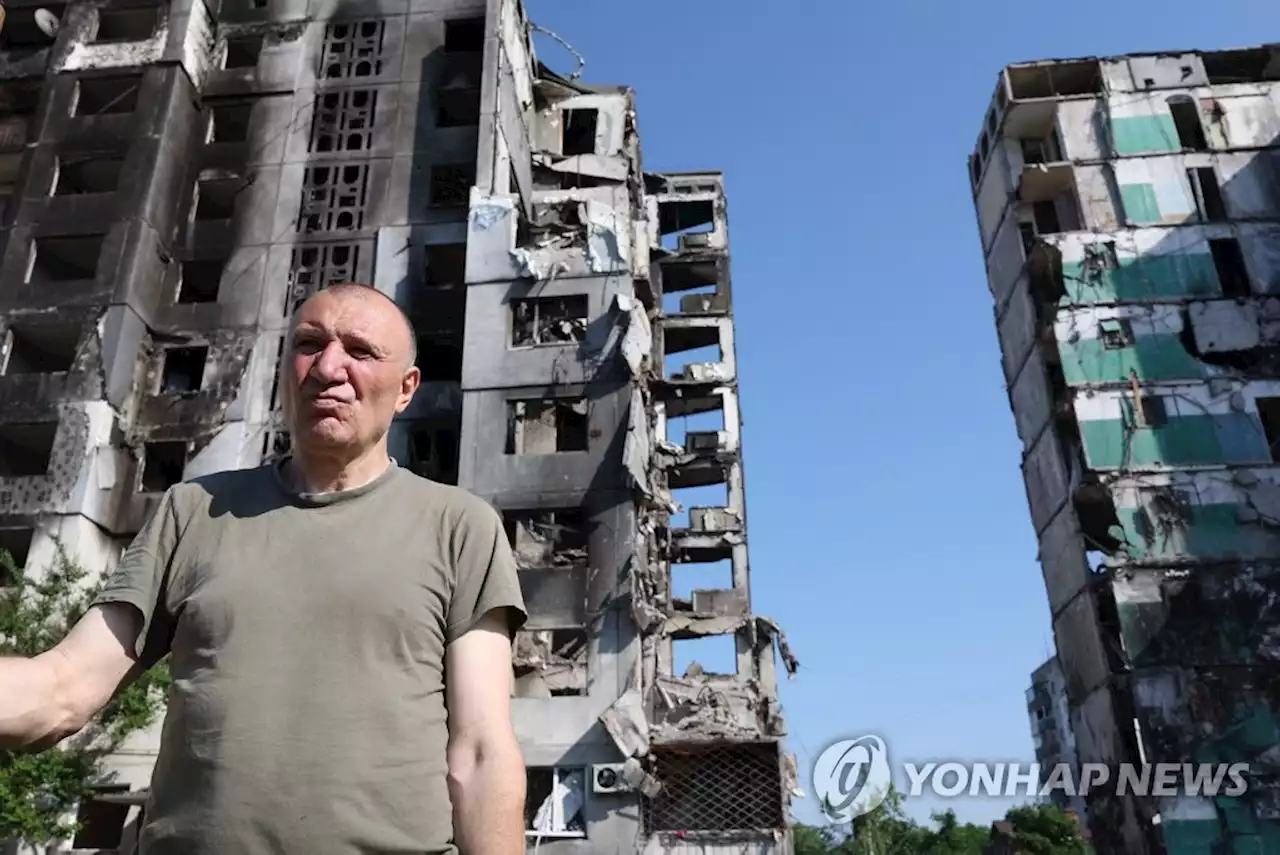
(1165, 276)
(1145, 134)
(1179, 441)
(1151, 357)
(1207, 531)
(1140, 205)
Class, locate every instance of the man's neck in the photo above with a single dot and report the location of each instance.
(311, 473)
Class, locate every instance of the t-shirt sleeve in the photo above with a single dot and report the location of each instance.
(485, 572)
(141, 580)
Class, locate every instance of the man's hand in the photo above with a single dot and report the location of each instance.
(55, 694)
(486, 770)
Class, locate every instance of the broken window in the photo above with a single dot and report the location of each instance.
(706, 654)
(578, 131)
(553, 803)
(457, 108)
(548, 320)
(1186, 121)
(198, 281)
(691, 499)
(40, 349)
(101, 823)
(1041, 149)
(1207, 194)
(1151, 412)
(464, 35)
(65, 259)
(433, 453)
(1045, 216)
(216, 198)
(182, 370)
(439, 360)
(551, 662)
(1269, 415)
(690, 580)
(15, 543)
(353, 49)
(543, 539)
(106, 95)
(26, 449)
(702, 416)
(451, 184)
(546, 426)
(1055, 79)
(162, 465)
(1115, 333)
(229, 121)
(126, 25)
(715, 787)
(242, 52)
(76, 175)
(446, 264)
(678, 220)
(1241, 66)
(343, 120)
(1228, 260)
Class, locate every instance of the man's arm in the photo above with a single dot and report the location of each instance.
(51, 696)
(486, 769)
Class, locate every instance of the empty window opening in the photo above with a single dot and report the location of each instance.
(707, 654)
(1207, 194)
(40, 349)
(705, 496)
(258, 4)
(578, 131)
(1151, 412)
(457, 108)
(1240, 66)
(451, 184)
(1045, 216)
(439, 361)
(1186, 120)
(553, 803)
(1047, 80)
(16, 543)
(216, 198)
(101, 822)
(26, 449)
(1269, 414)
(464, 35)
(1044, 149)
(162, 465)
(1228, 260)
(229, 121)
(693, 364)
(198, 281)
(243, 52)
(551, 662)
(548, 320)
(78, 175)
(678, 221)
(432, 452)
(65, 259)
(182, 370)
(1115, 334)
(547, 426)
(127, 25)
(106, 95)
(690, 576)
(709, 421)
(446, 264)
(23, 36)
(546, 539)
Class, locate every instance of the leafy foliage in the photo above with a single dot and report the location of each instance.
(38, 789)
(1038, 829)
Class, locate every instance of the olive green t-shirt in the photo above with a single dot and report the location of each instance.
(307, 633)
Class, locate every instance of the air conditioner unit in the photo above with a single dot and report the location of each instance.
(609, 778)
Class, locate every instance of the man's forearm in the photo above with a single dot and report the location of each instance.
(30, 711)
(487, 787)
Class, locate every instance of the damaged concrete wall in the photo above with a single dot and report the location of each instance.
(1127, 215)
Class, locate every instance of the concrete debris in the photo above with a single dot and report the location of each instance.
(637, 338)
(635, 776)
(774, 632)
(626, 724)
(550, 662)
(606, 248)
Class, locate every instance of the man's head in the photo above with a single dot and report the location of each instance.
(348, 370)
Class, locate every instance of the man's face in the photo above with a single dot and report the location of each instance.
(347, 371)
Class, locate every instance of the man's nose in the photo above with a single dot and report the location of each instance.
(330, 364)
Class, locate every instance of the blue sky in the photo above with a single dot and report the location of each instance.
(888, 526)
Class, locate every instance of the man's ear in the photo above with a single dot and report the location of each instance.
(409, 384)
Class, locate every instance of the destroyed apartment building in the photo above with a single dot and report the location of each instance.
(179, 175)
(1130, 223)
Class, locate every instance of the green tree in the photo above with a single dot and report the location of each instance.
(1046, 829)
(37, 790)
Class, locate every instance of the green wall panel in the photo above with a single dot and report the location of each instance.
(1152, 357)
(1213, 531)
(1180, 441)
(1173, 274)
(1144, 134)
(1140, 204)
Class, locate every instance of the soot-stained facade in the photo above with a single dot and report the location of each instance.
(179, 175)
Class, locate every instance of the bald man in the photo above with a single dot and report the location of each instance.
(340, 632)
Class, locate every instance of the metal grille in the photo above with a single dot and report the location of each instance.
(318, 266)
(333, 198)
(343, 120)
(352, 49)
(716, 788)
